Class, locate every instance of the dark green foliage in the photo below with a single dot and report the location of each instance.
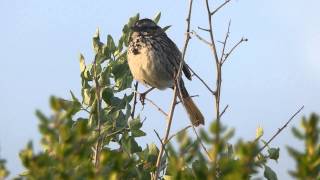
(70, 135)
(307, 161)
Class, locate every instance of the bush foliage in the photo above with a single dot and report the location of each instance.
(94, 137)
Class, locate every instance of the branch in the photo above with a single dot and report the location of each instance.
(233, 48)
(225, 41)
(135, 99)
(173, 135)
(218, 77)
(221, 6)
(279, 130)
(203, 82)
(203, 29)
(162, 143)
(202, 145)
(154, 104)
(176, 88)
(223, 111)
(200, 38)
(173, 104)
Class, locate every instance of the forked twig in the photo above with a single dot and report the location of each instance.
(200, 38)
(233, 48)
(162, 143)
(225, 42)
(219, 7)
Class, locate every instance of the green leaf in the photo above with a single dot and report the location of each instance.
(204, 136)
(297, 133)
(135, 124)
(87, 96)
(82, 64)
(74, 98)
(97, 45)
(106, 52)
(259, 132)
(3, 170)
(157, 17)
(274, 153)
(228, 135)
(230, 150)
(126, 29)
(137, 133)
(153, 149)
(41, 117)
(110, 44)
(120, 44)
(107, 96)
(200, 169)
(269, 173)
(133, 19)
(131, 145)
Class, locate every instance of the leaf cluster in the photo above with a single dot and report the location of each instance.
(307, 161)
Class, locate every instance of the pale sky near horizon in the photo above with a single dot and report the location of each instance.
(264, 82)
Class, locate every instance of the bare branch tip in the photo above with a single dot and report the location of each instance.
(244, 39)
(203, 29)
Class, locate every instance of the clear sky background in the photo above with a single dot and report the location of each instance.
(264, 82)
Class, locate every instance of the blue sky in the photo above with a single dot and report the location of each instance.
(264, 82)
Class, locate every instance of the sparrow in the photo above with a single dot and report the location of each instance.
(154, 60)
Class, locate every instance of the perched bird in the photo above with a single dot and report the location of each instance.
(154, 60)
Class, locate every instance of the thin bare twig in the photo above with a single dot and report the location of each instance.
(223, 111)
(225, 42)
(152, 103)
(203, 82)
(176, 88)
(201, 143)
(219, 7)
(203, 29)
(155, 105)
(84, 109)
(200, 38)
(233, 48)
(173, 135)
(279, 130)
(134, 99)
(162, 143)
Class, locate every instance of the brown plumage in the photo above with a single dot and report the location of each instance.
(154, 59)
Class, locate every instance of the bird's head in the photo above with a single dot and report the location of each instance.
(146, 27)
